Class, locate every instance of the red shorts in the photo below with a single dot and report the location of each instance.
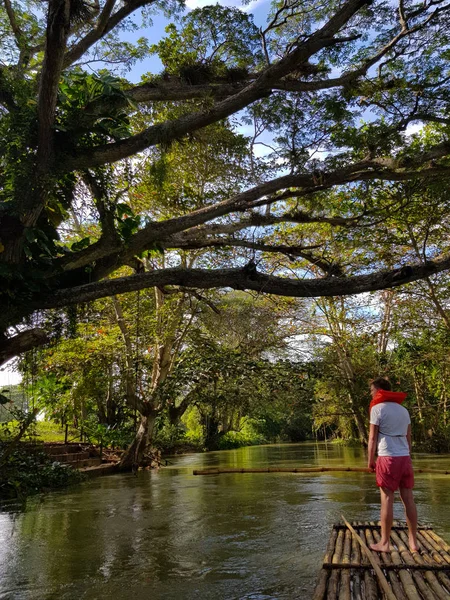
(394, 472)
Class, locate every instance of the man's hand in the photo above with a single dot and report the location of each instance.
(371, 467)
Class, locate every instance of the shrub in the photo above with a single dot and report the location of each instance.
(28, 470)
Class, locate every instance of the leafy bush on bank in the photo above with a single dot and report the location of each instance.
(29, 471)
(237, 439)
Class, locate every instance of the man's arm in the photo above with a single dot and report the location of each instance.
(373, 438)
(408, 437)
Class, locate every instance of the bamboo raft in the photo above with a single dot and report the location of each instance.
(347, 572)
(217, 471)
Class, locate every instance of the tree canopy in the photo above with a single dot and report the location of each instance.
(99, 175)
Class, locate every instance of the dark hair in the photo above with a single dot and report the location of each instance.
(380, 383)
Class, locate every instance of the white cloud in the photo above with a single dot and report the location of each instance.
(413, 128)
(253, 4)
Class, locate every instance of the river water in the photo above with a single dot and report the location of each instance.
(172, 535)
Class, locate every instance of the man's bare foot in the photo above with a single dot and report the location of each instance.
(380, 547)
(413, 545)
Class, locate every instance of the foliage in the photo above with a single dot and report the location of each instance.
(24, 468)
(276, 159)
(248, 435)
(30, 471)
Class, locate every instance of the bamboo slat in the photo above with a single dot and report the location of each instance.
(357, 586)
(333, 582)
(356, 551)
(370, 587)
(339, 547)
(347, 547)
(370, 584)
(333, 585)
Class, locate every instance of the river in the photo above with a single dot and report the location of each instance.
(168, 534)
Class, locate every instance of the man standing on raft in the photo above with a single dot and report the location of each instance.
(390, 435)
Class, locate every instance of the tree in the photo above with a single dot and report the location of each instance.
(67, 137)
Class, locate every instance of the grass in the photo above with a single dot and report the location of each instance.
(51, 432)
(47, 431)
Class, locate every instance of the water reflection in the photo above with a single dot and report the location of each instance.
(172, 535)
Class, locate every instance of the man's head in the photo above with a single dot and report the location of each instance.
(379, 384)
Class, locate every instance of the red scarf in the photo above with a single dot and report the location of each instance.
(385, 396)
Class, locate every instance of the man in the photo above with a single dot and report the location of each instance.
(390, 435)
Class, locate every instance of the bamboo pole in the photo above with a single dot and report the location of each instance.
(370, 583)
(333, 582)
(344, 590)
(436, 546)
(405, 577)
(429, 576)
(419, 578)
(220, 471)
(393, 576)
(443, 544)
(321, 587)
(381, 578)
(356, 557)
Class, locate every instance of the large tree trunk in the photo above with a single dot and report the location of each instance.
(360, 425)
(212, 433)
(133, 457)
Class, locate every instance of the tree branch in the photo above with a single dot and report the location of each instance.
(247, 278)
(18, 33)
(22, 342)
(105, 24)
(290, 251)
(161, 231)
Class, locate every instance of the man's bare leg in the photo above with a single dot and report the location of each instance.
(387, 518)
(406, 494)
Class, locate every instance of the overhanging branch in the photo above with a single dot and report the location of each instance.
(247, 278)
(163, 231)
(105, 24)
(26, 340)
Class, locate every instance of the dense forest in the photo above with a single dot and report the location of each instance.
(227, 250)
(241, 370)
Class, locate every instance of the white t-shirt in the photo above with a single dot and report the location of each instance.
(392, 420)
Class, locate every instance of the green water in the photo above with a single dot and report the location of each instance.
(171, 535)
